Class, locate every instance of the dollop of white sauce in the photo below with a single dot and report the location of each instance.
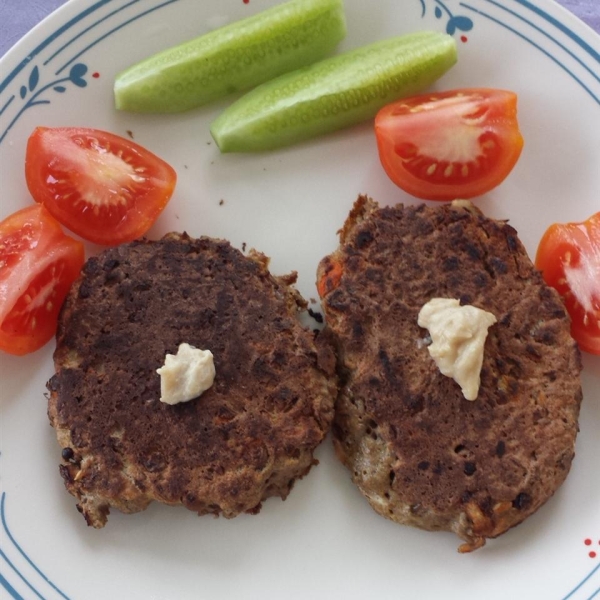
(458, 335)
(186, 375)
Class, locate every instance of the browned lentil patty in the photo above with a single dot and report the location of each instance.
(249, 437)
(421, 453)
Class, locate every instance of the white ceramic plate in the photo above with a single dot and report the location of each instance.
(324, 541)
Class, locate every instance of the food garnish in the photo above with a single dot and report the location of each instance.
(38, 264)
(103, 187)
(569, 257)
(233, 58)
(447, 145)
(337, 92)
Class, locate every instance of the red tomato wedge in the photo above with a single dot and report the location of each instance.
(450, 145)
(38, 264)
(569, 258)
(101, 186)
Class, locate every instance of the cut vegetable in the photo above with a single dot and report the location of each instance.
(448, 145)
(233, 58)
(332, 275)
(334, 93)
(569, 258)
(39, 264)
(103, 187)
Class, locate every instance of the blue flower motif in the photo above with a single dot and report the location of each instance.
(455, 22)
(76, 77)
(461, 23)
(34, 78)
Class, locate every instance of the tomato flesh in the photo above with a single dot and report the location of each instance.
(569, 257)
(103, 187)
(449, 145)
(38, 264)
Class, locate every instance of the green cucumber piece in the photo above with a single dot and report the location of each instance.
(233, 58)
(334, 93)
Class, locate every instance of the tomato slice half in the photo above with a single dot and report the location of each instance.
(38, 264)
(449, 145)
(103, 187)
(569, 257)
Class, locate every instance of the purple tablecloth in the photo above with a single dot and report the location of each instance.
(17, 17)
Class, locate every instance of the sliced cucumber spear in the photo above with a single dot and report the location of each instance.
(334, 93)
(233, 58)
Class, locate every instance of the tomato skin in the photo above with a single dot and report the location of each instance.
(103, 187)
(449, 145)
(38, 264)
(569, 257)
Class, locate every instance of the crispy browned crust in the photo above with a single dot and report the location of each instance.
(247, 438)
(421, 453)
